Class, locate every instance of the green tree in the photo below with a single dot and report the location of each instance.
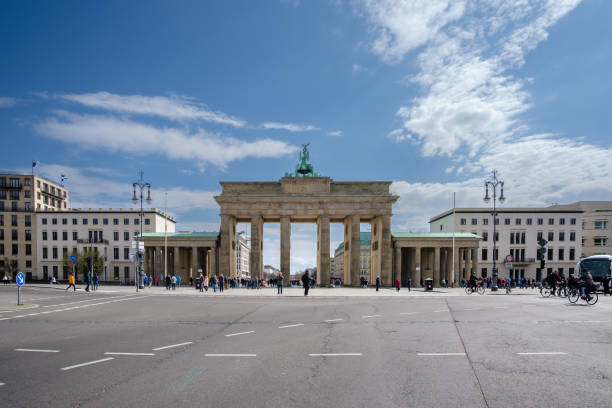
(82, 263)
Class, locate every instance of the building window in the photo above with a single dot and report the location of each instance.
(572, 254)
(95, 221)
(116, 273)
(126, 221)
(115, 253)
(463, 221)
(600, 241)
(551, 236)
(601, 224)
(45, 255)
(1, 253)
(126, 272)
(54, 235)
(115, 221)
(572, 221)
(561, 221)
(54, 252)
(474, 221)
(540, 221)
(517, 221)
(496, 221)
(484, 254)
(148, 222)
(551, 221)
(561, 236)
(28, 235)
(512, 238)
(75, 235)
(523, 235)
(14, 235)
(496, 254)
(14, 221)
(44, 235)
(1, 235)
(485, 236)
(65, 235)
(485, 221)
(105, 221)
(441, 227)
(126, 235)
(54, 221)
(572, 236)
(136, 221)
(550, 254)
(1, 220)
(28, 220)
(116, 235)
(506, 221)
(561, 254)
(540, 235)
(496, 235)
(84, 221)
(126, 253)
(14, 195)
(64, 221)
(28, 249)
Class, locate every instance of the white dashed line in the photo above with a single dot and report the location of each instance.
(87, 363)
(438, 311)
(172, 345)
(291, 325)
(333, 320)
(38, 350)
(472, 309)
(544, 353)
(230, 355)
(1, 384)
(129, 354)
(440, 354)
(408, 313)
(334, 354)
(239, 334)
(367, 317)
(501, 307)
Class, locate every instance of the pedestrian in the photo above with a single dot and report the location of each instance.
(96, 282)
(397, 284)
(174, 282)
(214, 281)
(6, 279)
(409, 283)
(88, 281)
(221, 282)
(279, 284)
(178, 281)
(53, 281)
(71, 283)
(168, 282)
(205, 283)
(306, 282)
(377, 283)
(606, 284)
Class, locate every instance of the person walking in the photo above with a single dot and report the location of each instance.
(279, 284)
(409, 283)
(397, 284)
(6, 279)
(178, 281)
(377, 283)
(173, 282)
(306, 282)
(168, 282)
(96, 282)
(606, 284)
(88, 281)
(71, 283)
(205, 283)
(221, 282)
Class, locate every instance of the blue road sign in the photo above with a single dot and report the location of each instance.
(73, 258)
(20, 279)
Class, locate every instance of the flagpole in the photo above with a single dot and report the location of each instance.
(165, 235)
(454, 277)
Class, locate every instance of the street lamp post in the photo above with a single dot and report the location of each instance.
(140, 186)
(494, 183)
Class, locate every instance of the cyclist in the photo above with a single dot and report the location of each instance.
(473, 283)
(587, 281)
(552, 280)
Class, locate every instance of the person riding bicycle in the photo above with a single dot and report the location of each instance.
(552, 280)
(473, 283)
(587, 281)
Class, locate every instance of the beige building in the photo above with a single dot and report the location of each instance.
(21, 195)
(242, 257)
(596, 227)
(517, 233)
(365, 239)
(110, 231)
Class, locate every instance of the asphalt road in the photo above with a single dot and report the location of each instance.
(228, 351)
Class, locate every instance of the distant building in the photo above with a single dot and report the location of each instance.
(364, 257)
(270, 271)
(243, 251)
(21, 195)
(596, 227)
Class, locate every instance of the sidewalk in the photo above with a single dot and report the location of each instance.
(287, 292)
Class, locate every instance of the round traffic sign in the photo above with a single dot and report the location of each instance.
(509, 258)
(20, 279)
(73, 258)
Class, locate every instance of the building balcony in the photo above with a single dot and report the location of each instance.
(87, 241)
(523, 261)
(54, 195)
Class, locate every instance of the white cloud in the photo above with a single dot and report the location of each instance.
(8, 102)
(177, 108)
(335, 133)
(291, 127)
(124, 135)
(403, 25)
(357, 68)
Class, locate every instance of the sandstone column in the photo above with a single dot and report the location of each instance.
(212, 262)
(475, 261)
(468, 262)
(436, 267)
(323, 264)
(285, 249)
(351, 250)
(227, 250)
(386, 251)
(456, 274)
(256, 258)
(397, 262)
(176, 254)
(417, 267)
(194, 262)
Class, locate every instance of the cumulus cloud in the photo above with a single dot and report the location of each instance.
(291, 127)
(8, 102)
(178, 108)
(335, 133)
(125, 135)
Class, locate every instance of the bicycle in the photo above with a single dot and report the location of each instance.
(480, 289)
(575, 294)
(508, 289)
(545, 291)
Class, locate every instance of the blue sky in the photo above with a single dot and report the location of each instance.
(431, 95)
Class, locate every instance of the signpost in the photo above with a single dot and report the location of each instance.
(20, 281)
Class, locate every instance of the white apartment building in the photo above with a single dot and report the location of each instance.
(111, 231)
(517, 233)
(243, 252)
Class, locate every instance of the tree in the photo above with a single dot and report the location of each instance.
(82, 265)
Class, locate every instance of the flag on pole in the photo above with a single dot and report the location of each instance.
(63, 178)
(35, 164)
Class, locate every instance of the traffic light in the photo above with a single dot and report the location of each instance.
(542, 251)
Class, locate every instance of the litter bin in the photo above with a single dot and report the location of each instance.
(428, 284)
(198, 284)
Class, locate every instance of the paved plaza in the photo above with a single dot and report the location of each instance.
(343, 347)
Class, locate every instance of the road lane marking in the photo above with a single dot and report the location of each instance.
(501, 307)
(438, 311)
(543, 353)
(334, 354)
(291, 325)
(88, 300)
(440, 354)
(111, 353)
(230, 355)
(367, 317)
(1, 384)
(475, 308)
(172, 345)
(38, 350)
(333, 320)
(239, 334)
(408, 313)
(87, 363)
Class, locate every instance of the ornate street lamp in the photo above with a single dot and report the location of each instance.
(140, 186)
(494, 183)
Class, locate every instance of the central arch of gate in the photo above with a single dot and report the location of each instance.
(317, 200)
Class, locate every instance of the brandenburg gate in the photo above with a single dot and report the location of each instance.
(317, 200)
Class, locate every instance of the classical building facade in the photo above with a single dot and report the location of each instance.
(365, 241)
(517, 233)
(596, 227)
(21, 195)
(110, 231)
